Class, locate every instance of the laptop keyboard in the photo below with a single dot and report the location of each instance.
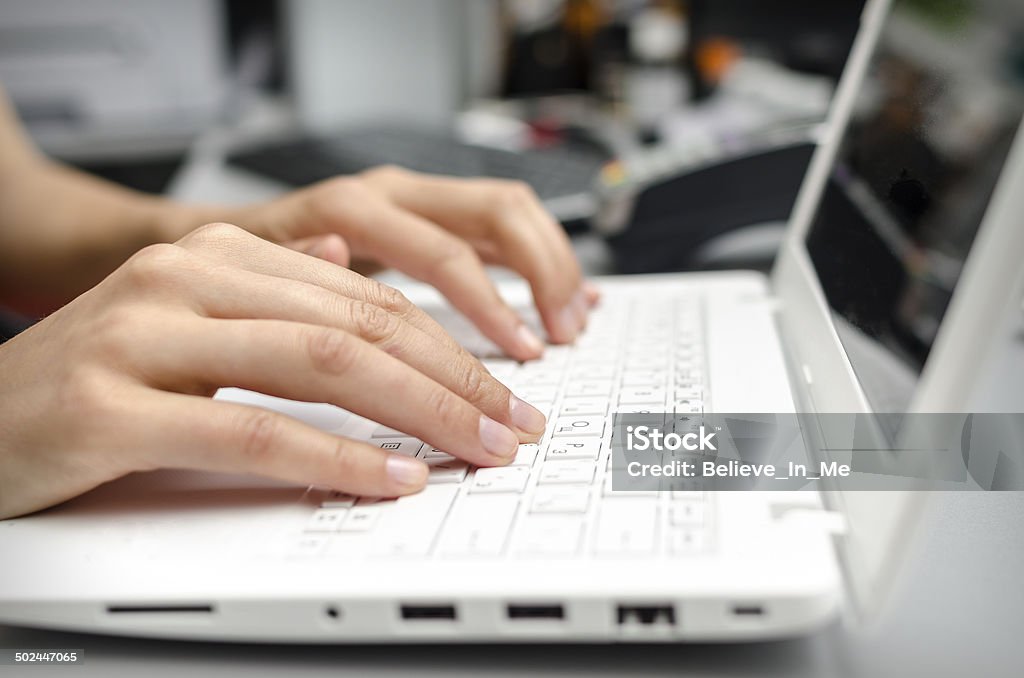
(556, 498)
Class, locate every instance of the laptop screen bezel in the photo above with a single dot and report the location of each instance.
(879, 524)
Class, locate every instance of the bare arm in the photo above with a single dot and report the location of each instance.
(62, 230)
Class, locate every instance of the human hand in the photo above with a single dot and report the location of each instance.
(120, 379)
(441, 230)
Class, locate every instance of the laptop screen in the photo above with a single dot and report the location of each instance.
(917, 165)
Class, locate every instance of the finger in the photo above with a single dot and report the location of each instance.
(510, 215)
(185, 431)
(321, 364)
(235, 294)
(428, 253)
(330, 247)
(238, 248)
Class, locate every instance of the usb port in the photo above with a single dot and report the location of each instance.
(536, 612)
(428, 612)
(647, 615)
(748, 610)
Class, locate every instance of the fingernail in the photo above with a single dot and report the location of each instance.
(497, 439)
(529, 341)
(525, 416)
(405, 471)
(567, 323)
(591, 291)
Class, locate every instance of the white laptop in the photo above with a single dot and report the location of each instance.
(915, 191)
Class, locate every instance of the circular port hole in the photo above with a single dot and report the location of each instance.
(332, 612)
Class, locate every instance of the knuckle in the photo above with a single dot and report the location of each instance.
(471, 383)
(330, 351)
(385, 172)
(390, 299)
(257, 434)
(373, 323)
(350, 187)
(515, 194)
(216, 232)
(154, 264)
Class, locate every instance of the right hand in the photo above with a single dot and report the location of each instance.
(121, 379)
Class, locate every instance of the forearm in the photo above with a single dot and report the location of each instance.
(62, 231)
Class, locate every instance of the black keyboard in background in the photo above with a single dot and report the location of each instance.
(558, 171)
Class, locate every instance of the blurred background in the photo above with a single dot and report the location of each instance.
(622, 114)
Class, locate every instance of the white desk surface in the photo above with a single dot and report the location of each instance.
(958, 609)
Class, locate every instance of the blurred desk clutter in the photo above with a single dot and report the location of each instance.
(650, 123)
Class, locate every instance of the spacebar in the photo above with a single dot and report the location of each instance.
(479, 526)
(411, 525)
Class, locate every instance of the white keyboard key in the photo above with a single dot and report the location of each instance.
(652, 409)
(361, 518)
(326, 520)
(574, 407)
(643, 378)
(544, 407)
(647, 361)
(375, 501)
(626, 526)
(607, 491)
(407, 447)
(556, 499)
(687, 513)
(566, 472)
(526, 455)
(549, 535)
(443, 471)
(642, 395)
(500, 479)
(687, 541)
(592, 371)
(579, 426)
(429, 453)
(307, 545)
(688, 407)
(574, 448)
(537, 393)
(478, 526)
(589, 389)
(597, 355)
(546, 376)
(410, 527)
(335, 499)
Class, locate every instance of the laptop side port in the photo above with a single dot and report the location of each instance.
(524, 612)
(428, 612)
(200, 608)
(646, 615)
(748, 610)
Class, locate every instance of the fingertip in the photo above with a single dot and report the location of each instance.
(528, 345)
(525, 417)
(334, 249)
(405, 474)
(591, 291)
(497, 440)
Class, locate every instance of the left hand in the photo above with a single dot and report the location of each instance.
(442, 230)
